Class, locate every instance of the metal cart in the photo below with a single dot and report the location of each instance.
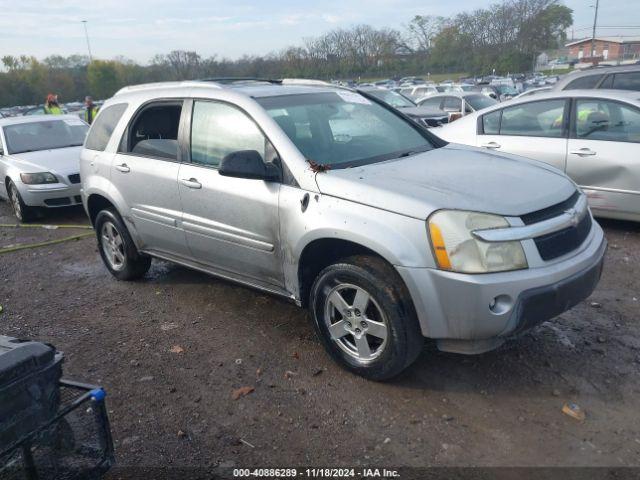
(75, 444)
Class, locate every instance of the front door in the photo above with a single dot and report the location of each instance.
(604, 154)
(230, 223)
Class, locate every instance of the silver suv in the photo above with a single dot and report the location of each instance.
(338, 202)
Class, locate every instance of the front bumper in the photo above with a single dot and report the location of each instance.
(486, 308)
(50, 195)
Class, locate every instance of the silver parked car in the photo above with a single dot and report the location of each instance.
(591, 135)
(40, 162)
(622, 77)
(342, 205)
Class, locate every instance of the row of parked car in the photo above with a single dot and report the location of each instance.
(338, 201)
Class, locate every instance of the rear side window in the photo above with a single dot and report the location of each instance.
(452, 104)
(154, 132)
(432, 103)
(627, 81)
(534, 119)
(103, 126)
(588, 81)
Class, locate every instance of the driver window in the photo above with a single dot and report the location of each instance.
(609, 121)
(218, 129)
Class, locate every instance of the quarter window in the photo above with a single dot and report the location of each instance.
(103, 126)
(491, 123)
(534, 119)
(218, 129)
(606, 120)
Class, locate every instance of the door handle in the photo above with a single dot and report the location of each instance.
(123, 167)
(583, 152)
(491, 145)
(191, 183)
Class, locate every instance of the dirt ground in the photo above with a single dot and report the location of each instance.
(176, 409)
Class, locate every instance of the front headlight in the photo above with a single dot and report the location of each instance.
(456, 248)
(38, 178)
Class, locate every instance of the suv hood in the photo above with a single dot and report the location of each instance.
(454, 176)
(65, 161)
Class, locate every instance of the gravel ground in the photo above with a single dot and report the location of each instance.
(171, 350)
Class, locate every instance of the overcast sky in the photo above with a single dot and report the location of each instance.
(139, 29)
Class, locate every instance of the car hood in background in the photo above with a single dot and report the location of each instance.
(455, 176)
(64, 161)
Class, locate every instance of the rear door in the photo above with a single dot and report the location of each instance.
(145, 174)
(536, 129)
(231, 224)
(604, 154)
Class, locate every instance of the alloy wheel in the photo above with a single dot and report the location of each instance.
(356, 322)
(112, 245)
(15, 202)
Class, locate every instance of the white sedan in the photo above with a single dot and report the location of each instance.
(591, 135)
(40, 162)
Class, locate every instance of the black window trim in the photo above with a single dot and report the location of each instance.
(102, 110)
(573, 133)
(124, 140)
(565, 119)
(285, 174)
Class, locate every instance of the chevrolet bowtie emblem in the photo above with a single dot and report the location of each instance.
(573, 213)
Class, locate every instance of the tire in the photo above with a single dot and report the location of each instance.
(386, 321)
(22, 212)
(118, 252)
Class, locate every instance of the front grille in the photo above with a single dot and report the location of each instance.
(57, 202)
(75, 178)
(557, 244)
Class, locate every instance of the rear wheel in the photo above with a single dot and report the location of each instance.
(117, 249)
(365, 317)
(22, 212)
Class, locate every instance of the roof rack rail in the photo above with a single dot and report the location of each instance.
(229, 80)
(144, 86)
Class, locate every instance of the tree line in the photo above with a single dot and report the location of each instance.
(504, 36)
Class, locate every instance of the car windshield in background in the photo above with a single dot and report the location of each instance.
(478, 102)
(344, 129)
(45, 135)
(392, 98)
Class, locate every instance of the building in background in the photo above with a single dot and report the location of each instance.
(606, 49)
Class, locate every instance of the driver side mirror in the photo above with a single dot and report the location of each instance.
(248, 164)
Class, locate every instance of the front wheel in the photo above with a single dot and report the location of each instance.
(365, 318)
(22, 212)
(117, 249)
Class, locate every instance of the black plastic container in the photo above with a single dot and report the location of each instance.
(29, 393)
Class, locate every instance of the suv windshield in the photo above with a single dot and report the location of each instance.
(344, 129)
(394, 99)
(45, 135)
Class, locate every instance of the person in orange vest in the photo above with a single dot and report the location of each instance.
(91, 110)
(51, 106)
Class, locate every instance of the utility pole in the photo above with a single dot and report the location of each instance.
(593, 36)
(86, 35)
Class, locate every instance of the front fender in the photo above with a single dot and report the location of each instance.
(400, 240)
